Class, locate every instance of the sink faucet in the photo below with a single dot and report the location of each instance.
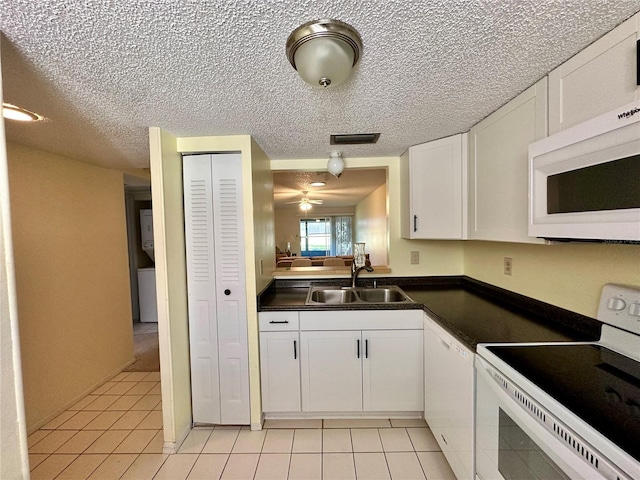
(355, 271)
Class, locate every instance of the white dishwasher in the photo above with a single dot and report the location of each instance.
(449, 397)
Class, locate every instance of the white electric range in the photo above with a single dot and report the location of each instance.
(563, 410)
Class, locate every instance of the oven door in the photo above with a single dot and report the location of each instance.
(510, 444)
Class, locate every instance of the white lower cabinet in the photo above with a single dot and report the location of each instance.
(280, 361)
(449, 397)
(372, 371)
(345, 361)
(280, 368)
(331, 371)
(392, 370)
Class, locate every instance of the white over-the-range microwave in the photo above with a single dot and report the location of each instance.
(584, 182)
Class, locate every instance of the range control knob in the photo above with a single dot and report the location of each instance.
(634, 309)
(616, 304)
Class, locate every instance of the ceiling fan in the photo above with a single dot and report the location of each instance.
(305, 202)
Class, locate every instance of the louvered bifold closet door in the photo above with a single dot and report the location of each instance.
(201, 283)
(217, 288)
(231, 289)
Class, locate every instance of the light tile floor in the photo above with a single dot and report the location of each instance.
(116, 433)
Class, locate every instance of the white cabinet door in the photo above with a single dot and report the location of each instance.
(449, 397)
(600, 78)
(434, 183)
(280, 371)
(331, 371)
(498, 167)
(216, 288)
(392, 370)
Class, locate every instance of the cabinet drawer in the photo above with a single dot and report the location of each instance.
(278, 321)
(362, 320)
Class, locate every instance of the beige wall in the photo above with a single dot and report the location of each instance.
(263, 217)
(70, 250)
(171, 285)
(569, 276)
(371, 225)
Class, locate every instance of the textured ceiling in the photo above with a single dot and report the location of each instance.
(353, 186)
(102, 72)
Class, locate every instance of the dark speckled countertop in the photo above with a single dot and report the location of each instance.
(472, 311)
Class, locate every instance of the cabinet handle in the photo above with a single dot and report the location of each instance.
(415, 223)
(279, 321)
(227, 292)
(358, 347)
(295, 351)
(366, 348)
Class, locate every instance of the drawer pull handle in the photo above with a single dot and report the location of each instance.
(279, 321)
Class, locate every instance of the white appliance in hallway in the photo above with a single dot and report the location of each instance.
(146, 232)
(216, 284)
(147, 294)
(147, 276)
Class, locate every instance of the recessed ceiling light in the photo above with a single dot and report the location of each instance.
(317, 184)
(11, 112)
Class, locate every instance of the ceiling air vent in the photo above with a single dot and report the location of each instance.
(354, 139)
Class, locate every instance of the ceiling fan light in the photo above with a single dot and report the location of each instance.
(324, 51)
(335, 165)
(305, 206)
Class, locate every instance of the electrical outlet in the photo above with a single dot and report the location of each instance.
(415, 258)
(508, 265)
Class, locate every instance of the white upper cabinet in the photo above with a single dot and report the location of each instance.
(498, 167)
(600, 78)
(434, 187)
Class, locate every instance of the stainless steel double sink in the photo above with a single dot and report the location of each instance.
(346, 295)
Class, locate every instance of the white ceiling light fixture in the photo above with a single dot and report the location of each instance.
(324, 51)
(336, 164)
(11, 112)
(317, 184)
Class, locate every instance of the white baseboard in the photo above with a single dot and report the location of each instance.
(341, 415)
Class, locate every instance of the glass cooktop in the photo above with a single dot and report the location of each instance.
(598, 385)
